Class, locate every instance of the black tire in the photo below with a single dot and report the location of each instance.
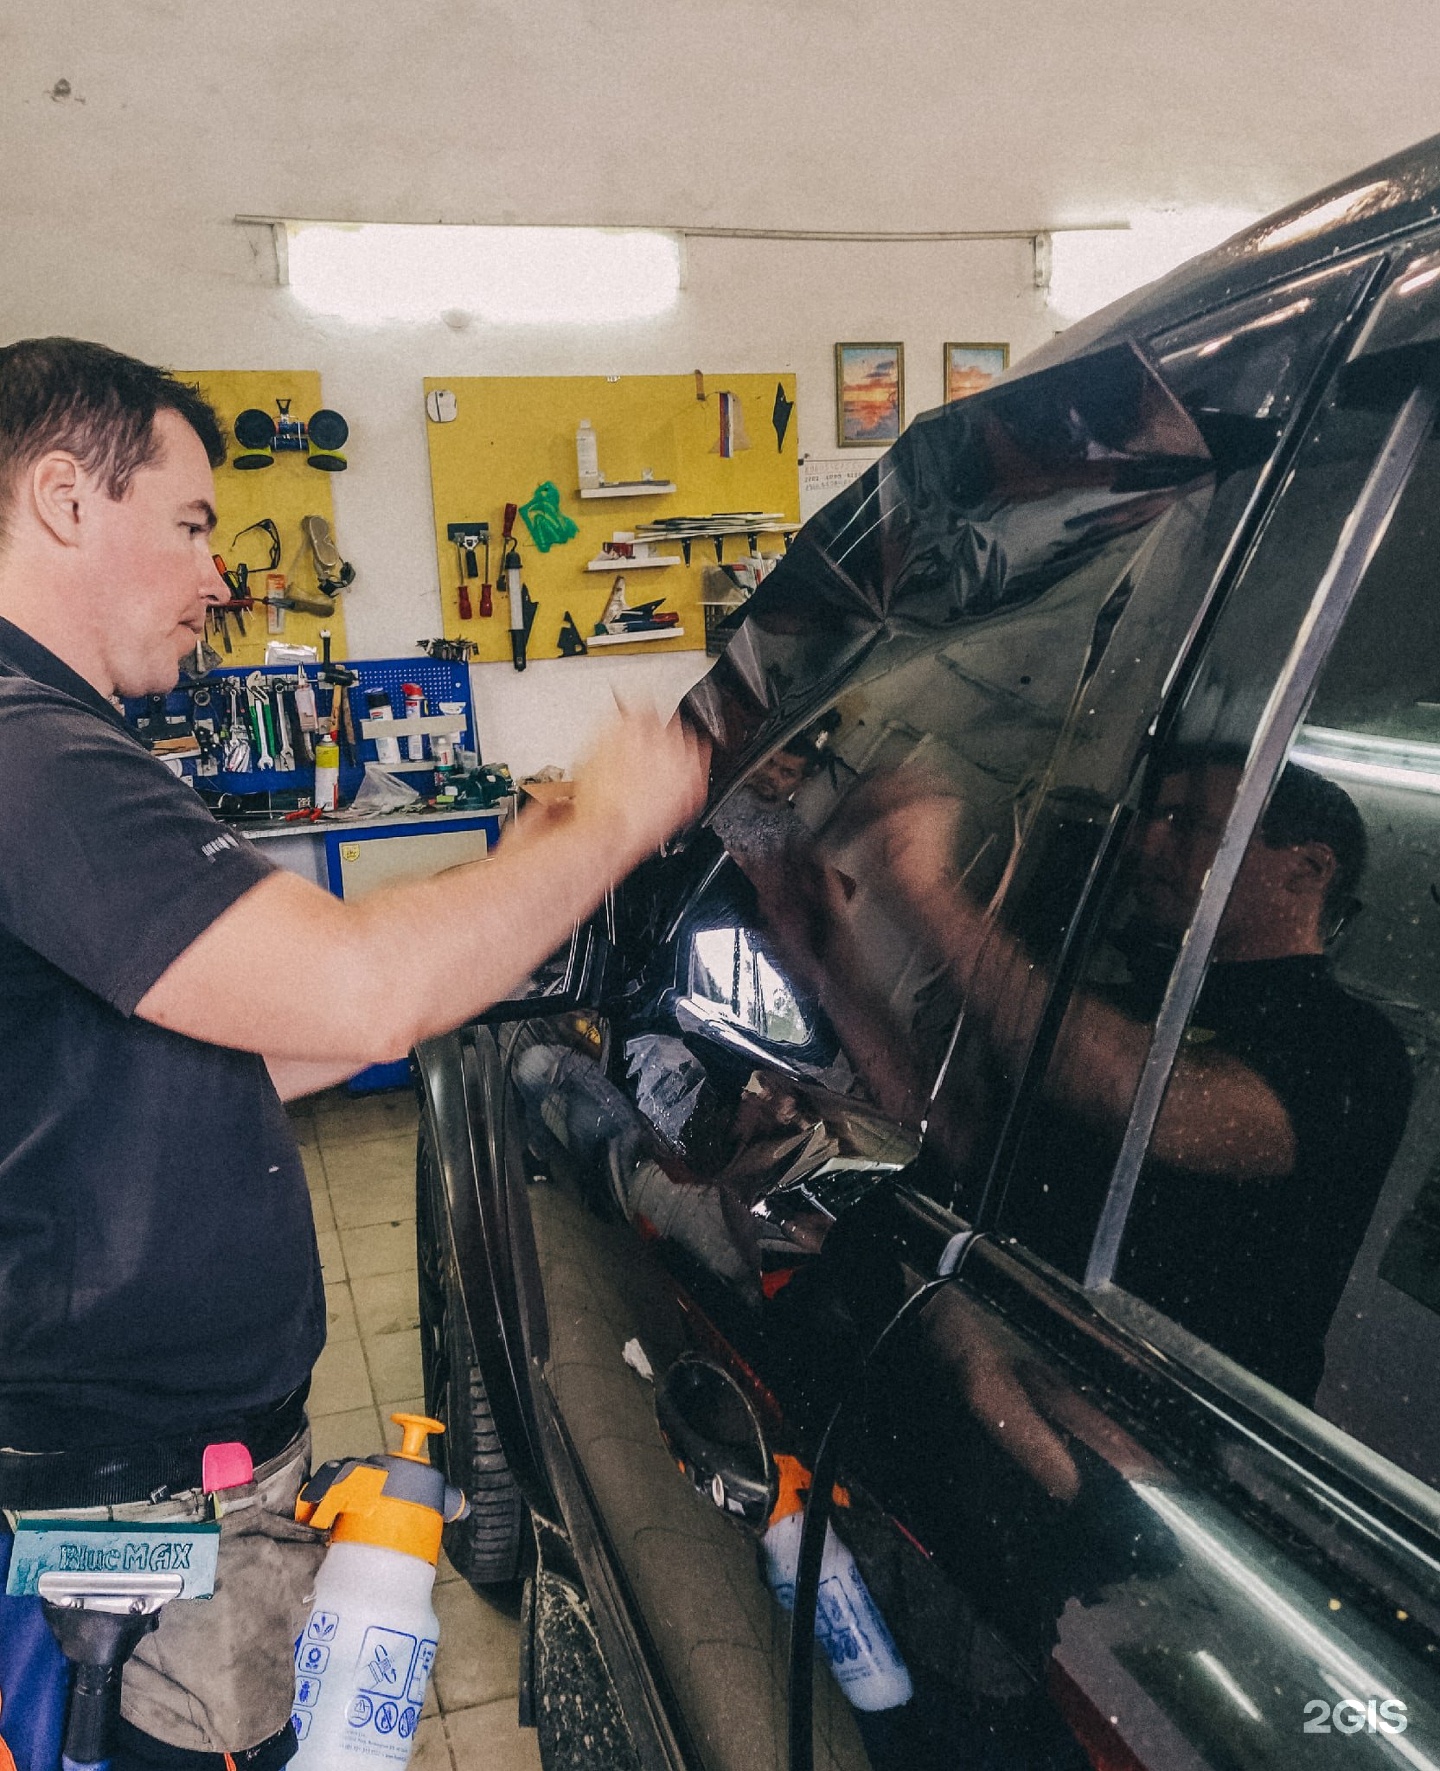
(486, 1546)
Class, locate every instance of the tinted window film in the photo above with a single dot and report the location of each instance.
(963, 602)
(1289, 1212)
(1077, 1118)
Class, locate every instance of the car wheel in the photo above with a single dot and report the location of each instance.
(484, 1547)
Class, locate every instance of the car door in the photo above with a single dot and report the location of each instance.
(1152, 1479)
(719, 1231)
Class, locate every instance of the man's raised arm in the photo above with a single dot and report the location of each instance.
(321, 988)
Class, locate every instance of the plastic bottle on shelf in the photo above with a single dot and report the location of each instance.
(363, 1660)
(848, 1625)
(327, 773)
(414, 701)
(587, 456)
(377, 706)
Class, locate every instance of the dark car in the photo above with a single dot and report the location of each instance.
(949, 1275)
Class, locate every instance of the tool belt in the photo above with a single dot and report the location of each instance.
(118, 1475)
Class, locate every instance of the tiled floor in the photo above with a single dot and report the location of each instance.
(360, 1160)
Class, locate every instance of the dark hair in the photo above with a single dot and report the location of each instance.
(1306, 807)
(63, 393)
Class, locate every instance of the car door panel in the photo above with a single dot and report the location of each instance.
(1069, 1590)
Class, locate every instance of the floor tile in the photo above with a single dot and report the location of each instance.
(341, 1381)
(394, 1361)
(444, 1571)
(478, 1660)
(321, 1210)
(386, 1303)
(332, 1258)
(315, 1176)
(379, 1248)
(432, 1750)
(340, 1321)
(352, 1434)
(377, 1159)
(379, 1201)
(490, 1739)
(354, 1121)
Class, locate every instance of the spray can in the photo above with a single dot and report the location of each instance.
(327, 773)
(363, 1659)
(848, 1625)
(414, 702)
(377, 705)
(587, 455)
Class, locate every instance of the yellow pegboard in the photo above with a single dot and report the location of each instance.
(284, 492)
(512, 433)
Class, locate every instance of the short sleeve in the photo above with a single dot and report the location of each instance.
(110, 866)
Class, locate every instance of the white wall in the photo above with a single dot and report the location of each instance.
(205, 295)
(131, 135)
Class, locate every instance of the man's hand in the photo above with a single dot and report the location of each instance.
(644, 780)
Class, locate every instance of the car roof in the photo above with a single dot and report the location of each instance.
(1382, 202)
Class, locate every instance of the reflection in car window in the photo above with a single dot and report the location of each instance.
(1071, 1138)
(1321, 1271)
(729, 967)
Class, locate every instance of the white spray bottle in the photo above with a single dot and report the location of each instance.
(363, 1659)
(848, 1625)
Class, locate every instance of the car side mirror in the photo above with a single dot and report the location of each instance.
(572, 978)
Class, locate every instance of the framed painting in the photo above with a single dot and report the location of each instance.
(969, 367)
(869, 394)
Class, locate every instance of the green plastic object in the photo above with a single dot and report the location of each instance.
(542, 516)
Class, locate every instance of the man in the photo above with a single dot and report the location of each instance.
(162, 990)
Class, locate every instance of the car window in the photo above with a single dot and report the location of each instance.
(1287, 1213)
(1239, 375)
(1088, 1062)
(730, 968)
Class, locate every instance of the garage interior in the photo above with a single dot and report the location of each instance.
(924, 175)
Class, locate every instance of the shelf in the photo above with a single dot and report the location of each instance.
(619, 565)
(634, 639)
(629, 489)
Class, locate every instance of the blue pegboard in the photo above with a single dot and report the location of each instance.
(439, 681)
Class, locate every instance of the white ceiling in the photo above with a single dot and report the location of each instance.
(920, 114)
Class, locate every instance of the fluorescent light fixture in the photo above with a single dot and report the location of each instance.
(1090, 268)
(375, 273)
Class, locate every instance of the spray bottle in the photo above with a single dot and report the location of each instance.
(327, 773)
(363, 1659)
(848, 1625)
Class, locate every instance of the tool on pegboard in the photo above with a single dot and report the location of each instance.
(571, 642)
(469, 538)
(522, 607)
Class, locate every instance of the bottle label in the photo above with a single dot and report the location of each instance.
(386, 1687)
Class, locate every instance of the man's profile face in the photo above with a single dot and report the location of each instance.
(149, 562)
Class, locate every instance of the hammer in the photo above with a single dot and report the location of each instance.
(341, 681)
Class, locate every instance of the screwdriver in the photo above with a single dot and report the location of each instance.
(465, 556)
